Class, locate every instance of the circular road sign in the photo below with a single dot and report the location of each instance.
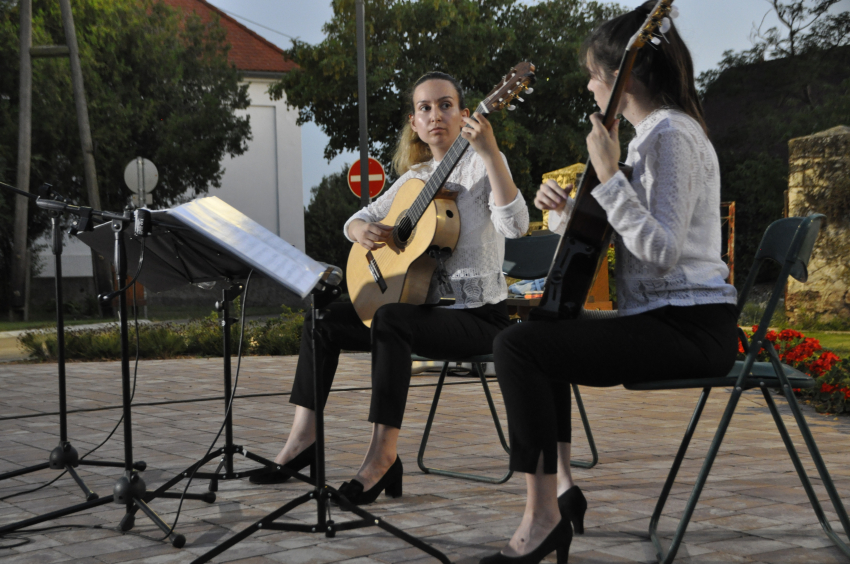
(141, 175)
(377, 178)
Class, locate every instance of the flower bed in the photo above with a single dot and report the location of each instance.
(807, 355)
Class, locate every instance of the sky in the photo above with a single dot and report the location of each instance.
(709, 27)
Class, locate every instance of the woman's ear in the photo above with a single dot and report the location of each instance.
(411, 122)
(465, 112)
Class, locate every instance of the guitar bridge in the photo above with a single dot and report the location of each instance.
(376, 272)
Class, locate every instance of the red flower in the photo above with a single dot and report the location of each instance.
(828, 388)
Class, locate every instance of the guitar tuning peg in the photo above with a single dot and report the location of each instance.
(529, 90)
(520, 99)
(656, 41)
(674, 12)
(665, 25)
(511, 107)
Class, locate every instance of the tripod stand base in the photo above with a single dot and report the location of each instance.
(326, 526)
(65, 457)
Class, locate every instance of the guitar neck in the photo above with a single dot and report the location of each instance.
(444, 169)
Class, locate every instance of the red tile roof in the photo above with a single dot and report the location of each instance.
(248, 51)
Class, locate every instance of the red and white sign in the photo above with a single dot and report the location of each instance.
(377, 178)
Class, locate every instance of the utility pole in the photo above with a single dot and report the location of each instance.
(100, 266)
(360, 25)
(20, 264)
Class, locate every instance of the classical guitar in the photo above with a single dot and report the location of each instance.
(583, 246)
(426, 224)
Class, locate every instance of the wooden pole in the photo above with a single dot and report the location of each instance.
(102, 272)
(18, 309)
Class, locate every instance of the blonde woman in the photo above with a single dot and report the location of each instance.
(491, 208)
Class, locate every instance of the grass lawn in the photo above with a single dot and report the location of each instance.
(45, 323)
(837, 342)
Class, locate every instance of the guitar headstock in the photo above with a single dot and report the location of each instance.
(656, 18)
(519, 79)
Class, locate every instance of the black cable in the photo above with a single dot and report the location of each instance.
(131, 282)
(226, 411)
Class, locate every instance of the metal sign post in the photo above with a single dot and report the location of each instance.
(361, 90)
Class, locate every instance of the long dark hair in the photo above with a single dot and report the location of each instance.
(666, 69)
(411, 150)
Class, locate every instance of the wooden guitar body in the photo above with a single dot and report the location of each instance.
(400, 272)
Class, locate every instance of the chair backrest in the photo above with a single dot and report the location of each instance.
(789, 242)
(529, 258)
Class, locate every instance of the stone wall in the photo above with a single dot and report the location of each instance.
(819, 182)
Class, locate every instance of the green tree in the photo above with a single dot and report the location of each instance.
(331, 204)
(477, 41)
(790, 84)
(158, 85)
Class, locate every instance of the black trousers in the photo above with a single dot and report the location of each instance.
(397, 331)
(537, 361)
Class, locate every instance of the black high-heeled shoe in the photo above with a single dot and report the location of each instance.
(559, 540)
(271, 475)
(573, 505)
(391, 482)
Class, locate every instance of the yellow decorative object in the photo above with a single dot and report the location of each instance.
(563, 176)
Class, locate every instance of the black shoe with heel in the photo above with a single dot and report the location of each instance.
(391, 482)
(271, 475)
(558, 540)
(573, 505)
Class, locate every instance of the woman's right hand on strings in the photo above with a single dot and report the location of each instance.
(371, 236)
(552, 197)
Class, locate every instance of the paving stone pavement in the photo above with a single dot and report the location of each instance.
(752, 510)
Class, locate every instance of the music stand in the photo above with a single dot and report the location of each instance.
(208, 240)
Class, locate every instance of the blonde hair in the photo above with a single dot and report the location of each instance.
(411, 150)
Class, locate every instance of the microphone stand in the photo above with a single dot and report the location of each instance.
(324, 293)
(64, 456)
(130, 489)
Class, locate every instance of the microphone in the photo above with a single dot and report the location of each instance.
(332, 275)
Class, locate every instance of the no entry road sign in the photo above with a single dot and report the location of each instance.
(376, 179)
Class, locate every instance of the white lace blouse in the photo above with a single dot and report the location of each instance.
(667, 219)
(475, 267)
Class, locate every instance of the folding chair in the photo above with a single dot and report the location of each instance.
(789, 242)
(527, 258)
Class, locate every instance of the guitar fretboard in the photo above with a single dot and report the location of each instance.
(444, 169)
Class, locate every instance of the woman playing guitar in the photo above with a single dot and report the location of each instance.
(676, 313)
(491, 208)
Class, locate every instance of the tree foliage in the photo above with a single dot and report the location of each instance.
(477, 41)
(331, 204)
(158, 85)
(789, 84)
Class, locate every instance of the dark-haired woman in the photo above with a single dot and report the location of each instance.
(676, 313)
(491, 208)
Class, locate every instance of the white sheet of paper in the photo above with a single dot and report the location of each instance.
(252, 243)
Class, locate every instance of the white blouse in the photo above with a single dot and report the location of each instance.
(475, 267)
(667, 219)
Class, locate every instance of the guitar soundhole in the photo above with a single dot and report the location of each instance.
(403, 231)
(449, 214)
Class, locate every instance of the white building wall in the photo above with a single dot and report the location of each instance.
(264, 183)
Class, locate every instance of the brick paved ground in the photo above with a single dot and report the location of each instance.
(753, 509)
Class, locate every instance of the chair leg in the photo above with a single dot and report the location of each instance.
(814, 452)
(590, 442)
(668, 556)
(420, 459)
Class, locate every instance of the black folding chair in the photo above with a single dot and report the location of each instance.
(789, 242)
(526, 258)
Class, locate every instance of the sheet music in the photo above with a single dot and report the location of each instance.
(251, 242)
